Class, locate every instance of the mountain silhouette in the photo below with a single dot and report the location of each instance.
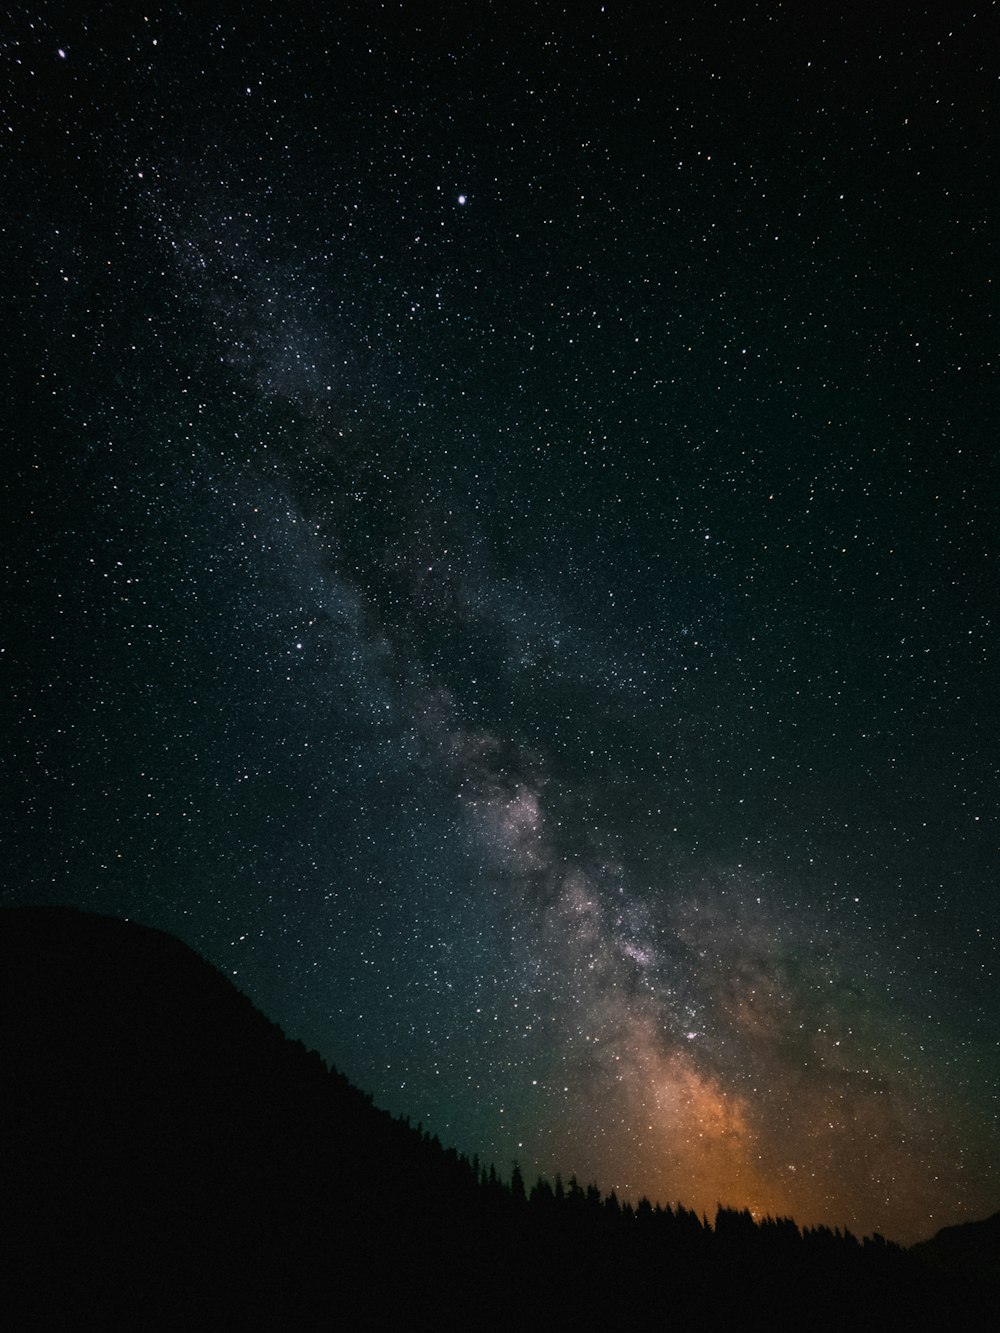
(970, 1251)
(171, 1160)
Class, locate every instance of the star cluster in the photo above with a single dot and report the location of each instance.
(503, 561)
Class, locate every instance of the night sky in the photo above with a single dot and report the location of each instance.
(500, 555)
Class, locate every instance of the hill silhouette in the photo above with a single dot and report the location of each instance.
(172, 1160)
(970, 1251)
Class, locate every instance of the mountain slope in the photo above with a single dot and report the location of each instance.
(970, 1251)
(171, 1160)
(168, 1153)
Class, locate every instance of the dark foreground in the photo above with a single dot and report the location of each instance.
(171, 1160)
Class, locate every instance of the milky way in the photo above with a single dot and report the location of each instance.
(504, 564)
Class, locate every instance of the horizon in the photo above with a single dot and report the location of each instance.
(504, 1172)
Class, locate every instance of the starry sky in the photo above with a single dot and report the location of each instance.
(501, 556)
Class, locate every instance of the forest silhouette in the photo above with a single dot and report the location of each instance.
(172, 1160)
